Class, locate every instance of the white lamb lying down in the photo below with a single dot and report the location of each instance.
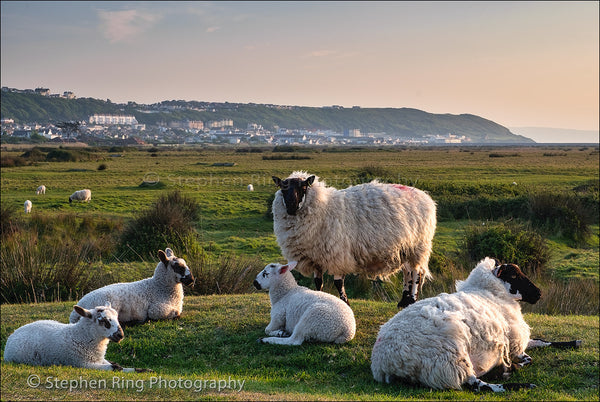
(47, 342)
(157, 298)
(299, 314)
(452, 339)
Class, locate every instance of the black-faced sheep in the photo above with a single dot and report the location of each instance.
(47, 342)
(299, 314)
(451, 340)
(373, 228)
(157, 298)
(81, 195)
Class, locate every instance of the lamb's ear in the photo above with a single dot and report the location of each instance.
(283, 269)
(292, 265)
(277, 180)
(163, 257)
(107, 304)
(82, 312)
(169, 252)
(309, 181)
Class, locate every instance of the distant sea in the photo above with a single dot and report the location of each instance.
(558, 135)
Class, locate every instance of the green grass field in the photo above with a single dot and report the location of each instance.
(216, 338)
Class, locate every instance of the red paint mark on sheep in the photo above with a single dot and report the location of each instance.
(402, 187)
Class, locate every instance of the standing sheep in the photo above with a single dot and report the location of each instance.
(40, 190)
(452, 339)
(250, 187)
(28, 206)
(157, 298)
(47, 342)
(302, 314)
(373, 228)
(81, 195)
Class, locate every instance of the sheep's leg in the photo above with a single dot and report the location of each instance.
(338, 280)
(410, 291)
(479, 385)
(540, 343)
(318, 280)
(283, 341)
(276, 326)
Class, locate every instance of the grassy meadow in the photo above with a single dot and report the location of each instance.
(547, 197)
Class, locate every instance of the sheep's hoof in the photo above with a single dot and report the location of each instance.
(116, 366)
(407, 299)
(260, 340)
(143, 370)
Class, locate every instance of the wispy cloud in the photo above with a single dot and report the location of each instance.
(123, 26)
(212, 29)
(320, 53)
(332, 54)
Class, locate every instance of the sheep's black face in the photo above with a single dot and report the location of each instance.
(183, 272)
(518, 283)
(293, 191)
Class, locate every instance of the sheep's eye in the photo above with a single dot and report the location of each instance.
(514, 277)
(265, 274)
(105, 322)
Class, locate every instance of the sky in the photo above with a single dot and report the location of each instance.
(518, 63)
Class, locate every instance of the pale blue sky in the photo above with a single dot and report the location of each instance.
(516, 63)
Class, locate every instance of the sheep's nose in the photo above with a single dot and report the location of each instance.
(117, 336)
(187, 280)
(257, 285)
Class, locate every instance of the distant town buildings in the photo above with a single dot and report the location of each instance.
(110, 119)
(125, 128)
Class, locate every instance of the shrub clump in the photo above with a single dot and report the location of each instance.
(562, 214)
(509, 244)
(169, 222)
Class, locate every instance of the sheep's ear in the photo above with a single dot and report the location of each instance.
(283, 269)
(309, 181)
(169, 252)
(107, 304)
(82, 312)
(163, 257)
(292, 265)
(277, 180)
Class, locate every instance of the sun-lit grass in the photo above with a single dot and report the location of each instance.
(216, 339)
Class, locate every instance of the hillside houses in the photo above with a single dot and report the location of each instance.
(126, 123)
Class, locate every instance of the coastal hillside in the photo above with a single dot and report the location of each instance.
(396, 122)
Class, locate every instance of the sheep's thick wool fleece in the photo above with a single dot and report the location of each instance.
(440, 341)
(67, 344)
(372, 226)
(151, 298)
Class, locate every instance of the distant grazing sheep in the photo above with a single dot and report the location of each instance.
(40, 190)
(28, 206)
(373, 228)
(47, 343)
(452, 339)
(250, 187)
(81, 195)
(299, 314)
(157, 298)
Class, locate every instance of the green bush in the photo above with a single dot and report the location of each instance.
(561, 214)
(61, 155)
(508, 243)
(169, 222)
(34, 271)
